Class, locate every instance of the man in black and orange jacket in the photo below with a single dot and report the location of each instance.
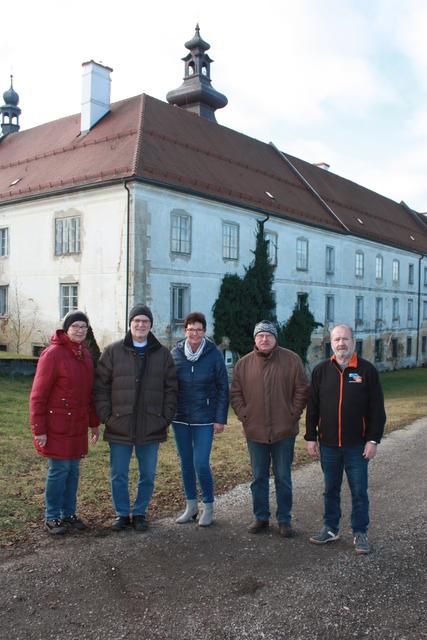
(344, 424)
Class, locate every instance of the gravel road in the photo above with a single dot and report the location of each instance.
(221, 583)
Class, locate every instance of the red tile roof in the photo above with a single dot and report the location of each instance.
(148, 139)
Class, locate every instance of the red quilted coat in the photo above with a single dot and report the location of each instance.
(61, 399)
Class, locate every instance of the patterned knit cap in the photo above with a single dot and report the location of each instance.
(265, 326)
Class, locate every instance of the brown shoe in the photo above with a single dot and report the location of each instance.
(286, 531)
(259, 526)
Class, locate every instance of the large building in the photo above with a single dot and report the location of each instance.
(144, 200)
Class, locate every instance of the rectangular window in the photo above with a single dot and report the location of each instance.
(411, 274)
(328, 350)
(359, 264)
(424, 345)
(359, 309)
(271, 238)
(359, 348)
(395, 271)
(410, 309)
(3, 300)
(302, 254)
(425, 276)
(394, 347)
(329, 309)
(68, 298)
(379, 267)
(425, 310)
(408, 347)
(230, 241)
(180, 233)
(301, 299)
(395, 309)
(378, 350)
(330, 260)
(180, 303)
(4, 242)
(378, 309)
(67, 235)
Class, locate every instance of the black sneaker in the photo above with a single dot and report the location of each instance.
(120, 523)
(55, 527)
(140, 524)
(74, 523)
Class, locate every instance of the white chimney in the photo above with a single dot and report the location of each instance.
(322, 165)
(95, 94)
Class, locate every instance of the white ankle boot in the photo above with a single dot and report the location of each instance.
(207, 516)
(190, 512)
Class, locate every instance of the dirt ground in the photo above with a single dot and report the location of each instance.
(221, 583)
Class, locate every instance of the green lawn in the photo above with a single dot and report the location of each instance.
(22, 471)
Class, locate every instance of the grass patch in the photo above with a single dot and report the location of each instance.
(23, 472)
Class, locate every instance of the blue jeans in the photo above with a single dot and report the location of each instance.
(194, 444)
(61, 488)
(280, 455)
(120, 456)
(334, 461)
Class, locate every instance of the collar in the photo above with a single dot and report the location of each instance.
(353, 362)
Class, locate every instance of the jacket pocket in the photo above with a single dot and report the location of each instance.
(119, 424)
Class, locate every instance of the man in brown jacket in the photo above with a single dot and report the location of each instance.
(268, 394)
(135, 397)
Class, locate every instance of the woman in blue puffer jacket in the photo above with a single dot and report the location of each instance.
(202, 412)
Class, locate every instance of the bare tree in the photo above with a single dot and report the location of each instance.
(22, 320)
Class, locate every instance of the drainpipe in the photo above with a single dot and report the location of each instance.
(125, 184)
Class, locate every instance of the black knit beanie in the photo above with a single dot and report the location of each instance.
(140, 310)
(74, 316)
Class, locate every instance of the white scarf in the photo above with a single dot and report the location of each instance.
(189, 353)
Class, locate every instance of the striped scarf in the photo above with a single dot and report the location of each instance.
(193, 356)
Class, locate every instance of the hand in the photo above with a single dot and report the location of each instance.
(370, 451)
(313, 450)
(41, 440)
(95, 435)
(218, 428)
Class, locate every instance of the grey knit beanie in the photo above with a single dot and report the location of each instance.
(265, 326)
(140, 310)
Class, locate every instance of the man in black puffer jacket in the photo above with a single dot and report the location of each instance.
(135, 397)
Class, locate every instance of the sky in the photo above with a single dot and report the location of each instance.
(336, 81)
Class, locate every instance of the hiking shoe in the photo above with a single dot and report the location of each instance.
(74, 523)
(324, 535)
(55, 527)
(120, 523)
(361, 544)
(259, 526)
(286, 530)
(139, 523)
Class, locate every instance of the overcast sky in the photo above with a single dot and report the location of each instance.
(336, 81)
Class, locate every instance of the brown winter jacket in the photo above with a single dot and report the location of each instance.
(135, 398)
(269, 393)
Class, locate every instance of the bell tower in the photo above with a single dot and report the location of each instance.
(196, 93)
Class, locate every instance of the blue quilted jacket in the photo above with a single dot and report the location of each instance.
(202, 386)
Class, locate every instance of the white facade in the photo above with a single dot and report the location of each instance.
(171, 250)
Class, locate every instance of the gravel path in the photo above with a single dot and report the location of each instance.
(220, 583)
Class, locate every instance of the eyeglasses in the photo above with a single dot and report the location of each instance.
(79, 327)
(195, 330)
(141, 321)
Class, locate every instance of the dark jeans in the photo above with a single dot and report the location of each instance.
(334, 461)
(280, 455)
(194, 444)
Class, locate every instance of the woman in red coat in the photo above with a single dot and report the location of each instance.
(61, 411)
